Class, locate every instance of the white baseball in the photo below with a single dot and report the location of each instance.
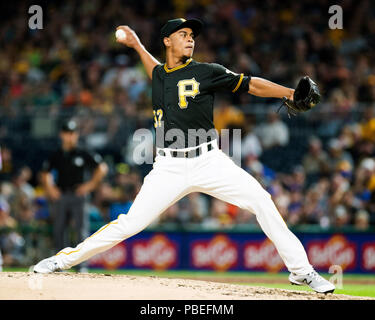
(120, 34)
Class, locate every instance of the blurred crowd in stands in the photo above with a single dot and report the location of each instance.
(319, 167)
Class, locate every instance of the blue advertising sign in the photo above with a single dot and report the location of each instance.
(354, 252)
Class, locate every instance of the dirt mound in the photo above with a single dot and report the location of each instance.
(85, 286)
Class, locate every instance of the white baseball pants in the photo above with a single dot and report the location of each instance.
(213, 173)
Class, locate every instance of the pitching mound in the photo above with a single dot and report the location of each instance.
(71, 286)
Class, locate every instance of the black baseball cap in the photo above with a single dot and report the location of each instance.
(69, 126)
(176, 24)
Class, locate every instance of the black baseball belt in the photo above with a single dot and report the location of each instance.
(193, 153)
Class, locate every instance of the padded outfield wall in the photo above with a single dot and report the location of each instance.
(354, 252)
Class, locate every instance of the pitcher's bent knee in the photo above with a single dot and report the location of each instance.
(259, 203)
(130, 225)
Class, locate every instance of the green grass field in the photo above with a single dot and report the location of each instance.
(352, 284)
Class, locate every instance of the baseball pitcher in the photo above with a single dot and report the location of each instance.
(188, 158)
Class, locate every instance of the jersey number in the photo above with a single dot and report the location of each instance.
(187, 88)
(158, 115)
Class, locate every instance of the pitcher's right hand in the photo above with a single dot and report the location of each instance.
(131, 40)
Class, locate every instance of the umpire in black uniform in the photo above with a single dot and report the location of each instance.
(69, 175)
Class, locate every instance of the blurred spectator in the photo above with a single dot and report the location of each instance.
(5, 219)
(341, 216)
(6, 163)
(316, 204)
(193, 208)
(316, 161)
(253, 166)
(124, 202)
(22, 196)
(244, 218)
(226, 114)
(296, 180)
(368, 125)
(295, 208)
(362, 220)
(339, 159)
(11, 242)
(170, 215)
(197, 207)
(274, 132)
(219, 215)
(250, 143)
(280, 196)
(41, 210)
(338, 187)
(44, 96)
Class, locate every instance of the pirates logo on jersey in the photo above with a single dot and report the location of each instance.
(187, 88)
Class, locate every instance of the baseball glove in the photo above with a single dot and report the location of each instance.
(305, 97)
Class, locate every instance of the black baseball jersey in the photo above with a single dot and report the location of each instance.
(71, 167)
(183, 98)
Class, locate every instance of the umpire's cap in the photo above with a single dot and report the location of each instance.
(69, 126)
(176, 24)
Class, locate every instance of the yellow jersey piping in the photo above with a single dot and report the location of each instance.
(178, 67)
(238, 84)
(100, 230)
